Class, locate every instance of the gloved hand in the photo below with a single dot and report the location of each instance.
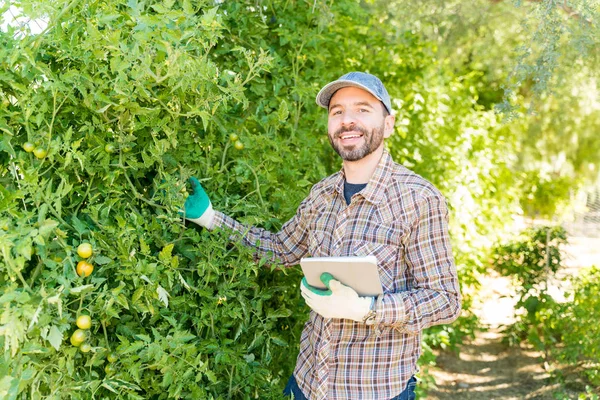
(198, 208)
(340, 301)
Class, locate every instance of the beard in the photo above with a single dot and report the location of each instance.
(372, 141)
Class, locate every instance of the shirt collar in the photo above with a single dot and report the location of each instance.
(375, 189)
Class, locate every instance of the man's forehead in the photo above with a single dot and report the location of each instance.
(352, 95)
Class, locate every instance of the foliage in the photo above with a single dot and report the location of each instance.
(566, 332)
(535, 63)
(531, 259)
(574, 325)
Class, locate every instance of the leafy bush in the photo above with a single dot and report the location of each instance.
(567, 333)
(571, 334)
(531, 259)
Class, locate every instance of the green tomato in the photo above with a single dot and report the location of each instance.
(28, 147)
(109, 148)
(112, 357)
(234, 137)
(40, 152)
(78, 337)
(85, 348)
(239, 145)
(110, 369)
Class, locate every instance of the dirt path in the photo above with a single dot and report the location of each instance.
(487, 368)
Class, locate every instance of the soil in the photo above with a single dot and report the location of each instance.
(487, 367)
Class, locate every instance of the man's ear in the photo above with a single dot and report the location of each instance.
(389, 125)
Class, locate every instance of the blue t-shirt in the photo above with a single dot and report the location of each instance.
(350, 189)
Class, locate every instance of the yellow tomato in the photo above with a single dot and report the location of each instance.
(84, 250)
(84, 322)
(84, 268)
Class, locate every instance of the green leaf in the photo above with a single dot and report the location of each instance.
(55, 337)
(163, 295)
(165, 254)
(278, 341)
(82, 289)
(283, 112)
(102, 260)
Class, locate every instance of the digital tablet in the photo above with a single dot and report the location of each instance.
(360, 273)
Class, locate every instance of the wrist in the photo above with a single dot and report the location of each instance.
(206, 220)
(371, 314)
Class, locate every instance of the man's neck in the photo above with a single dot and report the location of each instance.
(361, 171)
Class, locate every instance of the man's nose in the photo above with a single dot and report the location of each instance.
(348, 119)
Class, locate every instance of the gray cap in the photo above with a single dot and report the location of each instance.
(361, 80)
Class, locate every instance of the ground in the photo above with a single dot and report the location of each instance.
(487, 368)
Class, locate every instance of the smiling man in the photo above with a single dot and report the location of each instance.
(355, 347)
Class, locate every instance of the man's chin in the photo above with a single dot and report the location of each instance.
(352, 155)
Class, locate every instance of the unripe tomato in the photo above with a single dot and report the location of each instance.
(112, 357)
(239, 145)
(109, 148)
(78, 337)
(85, 347)
(84, 268)
(40, 152)
(110, 369)
(84, 322)
(28, 147)
(233, 137)
(84, 250)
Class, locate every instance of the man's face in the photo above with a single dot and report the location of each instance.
(357, 124)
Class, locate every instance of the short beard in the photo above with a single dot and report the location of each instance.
(372, 143)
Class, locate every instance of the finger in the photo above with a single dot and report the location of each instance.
(317, 291)
(337, 287)
(194, 184)
(326, 277)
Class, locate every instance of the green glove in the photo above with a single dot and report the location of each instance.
(198, 208)
(339, 301)
(325, 278)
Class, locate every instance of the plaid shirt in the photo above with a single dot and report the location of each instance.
(400, 218)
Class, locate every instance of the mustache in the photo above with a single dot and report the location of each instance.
(350, 129)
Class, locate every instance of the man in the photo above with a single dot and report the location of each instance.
(357, 347)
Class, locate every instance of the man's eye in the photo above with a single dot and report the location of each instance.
(337, 112)
(363, 110)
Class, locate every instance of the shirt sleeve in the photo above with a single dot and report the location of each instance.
(435, 297)
(287, 246)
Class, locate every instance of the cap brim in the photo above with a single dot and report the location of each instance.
(324, 96)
